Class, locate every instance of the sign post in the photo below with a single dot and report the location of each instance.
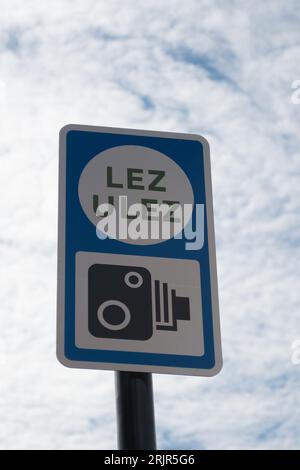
(137, 283)
(135, 411)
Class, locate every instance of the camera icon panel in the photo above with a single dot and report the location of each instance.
(138, 304)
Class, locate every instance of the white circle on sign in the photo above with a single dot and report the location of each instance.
(145, 176)
(111, 326)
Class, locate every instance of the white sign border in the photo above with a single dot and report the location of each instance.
(61, 257)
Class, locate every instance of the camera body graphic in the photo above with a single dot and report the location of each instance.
(120, 302)
(124, 302)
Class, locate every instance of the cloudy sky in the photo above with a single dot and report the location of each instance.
(221, 68)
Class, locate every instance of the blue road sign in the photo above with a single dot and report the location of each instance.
(137, 283)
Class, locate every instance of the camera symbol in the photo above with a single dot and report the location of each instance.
(120, 303)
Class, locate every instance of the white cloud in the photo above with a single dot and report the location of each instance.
(223, 69)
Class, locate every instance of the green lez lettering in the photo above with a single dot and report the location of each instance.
(148, 203)
(131, 178)
(135, 179)
(159, 176)
(171, 214)
(139, 175)
(110, 183)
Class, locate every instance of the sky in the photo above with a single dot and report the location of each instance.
(222, 69)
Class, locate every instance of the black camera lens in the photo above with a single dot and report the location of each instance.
(113, 315)
(133, 279)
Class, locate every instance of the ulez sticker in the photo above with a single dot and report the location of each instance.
(141, 175)
(137, 286)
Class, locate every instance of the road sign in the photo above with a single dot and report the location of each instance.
(137, 286)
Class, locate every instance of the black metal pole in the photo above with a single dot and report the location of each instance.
(135, 411)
